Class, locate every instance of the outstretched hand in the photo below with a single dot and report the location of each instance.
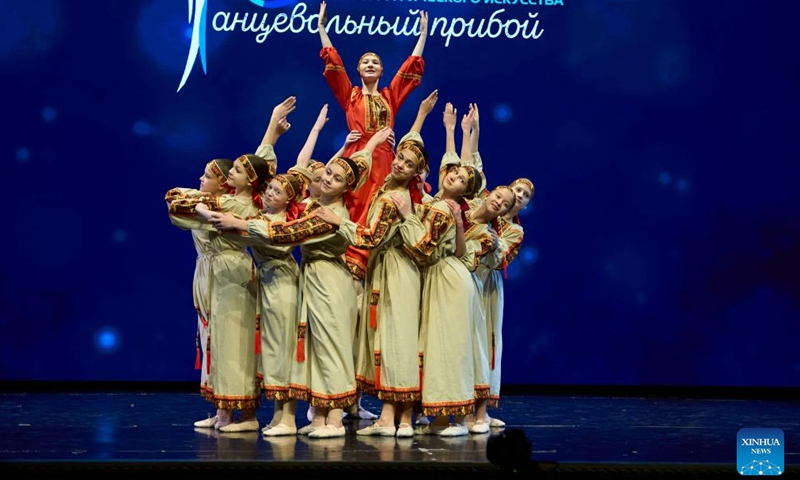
(449, 116)
(284, 108)
(323, 15)
(473, 108)
(426, 106)
(322, 118)
(467, 120)
(423, 22)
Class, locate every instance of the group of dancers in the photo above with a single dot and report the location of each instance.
(399, 290)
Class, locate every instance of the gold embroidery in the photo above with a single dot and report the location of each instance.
(296, 231)
(221, 177)
(348, 170)
(252, 176)
(377, 113)
(372, 237)
(439, 222)
(414, 147)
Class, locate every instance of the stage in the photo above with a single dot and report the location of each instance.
(148, 429)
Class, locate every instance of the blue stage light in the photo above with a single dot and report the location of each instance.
(142, 128)
(48, 114)
(22, 154)
(106, 339)
(529, 255)
(664, 178)
(502, 113)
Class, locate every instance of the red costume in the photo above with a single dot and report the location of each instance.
(368, 114)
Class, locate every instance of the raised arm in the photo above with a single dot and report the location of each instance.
(321, 22)
(475, 159)
(425, 108)
(311, 141)
(353, 136)
(474, 134)
(466, 126)
(334, 73)
(423, 34)
(450, 156)
(449, 120)
(278, 124)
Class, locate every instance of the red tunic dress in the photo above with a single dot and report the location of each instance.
(368, 114)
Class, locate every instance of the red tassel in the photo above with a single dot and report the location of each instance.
(373, 308)
(301, 349)
(258, 335)
(378, 377)
(493, 351)
(208, 354)
(197, 363)
(373, 317)
(421, 364)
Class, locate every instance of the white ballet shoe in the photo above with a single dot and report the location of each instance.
(378, 430)
(246, 426)
(479, 427)
(496, 423)
(280, 430)
(405, 431)
(307, 430)
(454, 430)
(328, 431)
(209, 422)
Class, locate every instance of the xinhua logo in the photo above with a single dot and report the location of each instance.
(759, 451)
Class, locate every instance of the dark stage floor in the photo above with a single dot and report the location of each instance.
(576, 436)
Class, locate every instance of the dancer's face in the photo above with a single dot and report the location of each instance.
(334, 181)
(499, 201)
(370, 68)
(314, 187)
(237, 177)
(275, 197)
(455, 181)
(523, 194)
(405, 165)
(209, 182)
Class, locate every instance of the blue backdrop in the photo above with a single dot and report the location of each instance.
(661, 247)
